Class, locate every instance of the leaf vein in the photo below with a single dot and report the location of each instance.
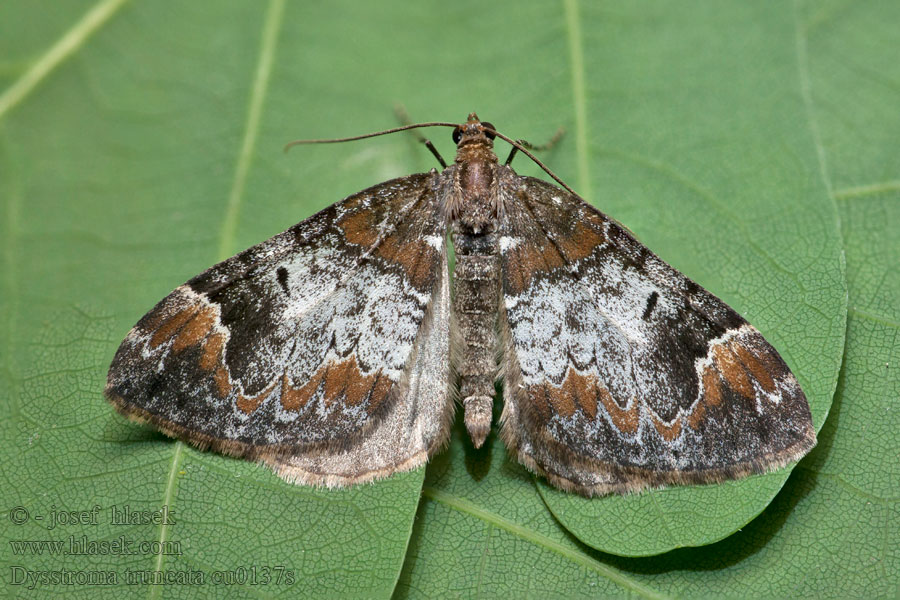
(862, 191)
(806, 94)
(271, 27)
(168, 498)
(467, 507)
(579, 96)
(849, 487)
(873, 318)
(65, 47)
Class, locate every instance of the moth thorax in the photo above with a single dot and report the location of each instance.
(477, 150)
(476, 206)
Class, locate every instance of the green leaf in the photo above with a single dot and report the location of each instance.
(752, 145)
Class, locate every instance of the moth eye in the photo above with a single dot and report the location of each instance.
(490, 134)
(457, 135)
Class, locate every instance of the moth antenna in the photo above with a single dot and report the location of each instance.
(403, 117)
(508, 140)
(525, 151)
(369, 135)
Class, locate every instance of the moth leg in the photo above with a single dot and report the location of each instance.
(546, 146)
(434, 150)
(404, 119)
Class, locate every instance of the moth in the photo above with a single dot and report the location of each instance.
(335, 351)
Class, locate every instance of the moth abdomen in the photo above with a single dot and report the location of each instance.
(477, 281)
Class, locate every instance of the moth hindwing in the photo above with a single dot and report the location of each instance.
(325, 351)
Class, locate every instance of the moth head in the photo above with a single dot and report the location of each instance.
(474, 130)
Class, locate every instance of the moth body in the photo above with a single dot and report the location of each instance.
(473, 202)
